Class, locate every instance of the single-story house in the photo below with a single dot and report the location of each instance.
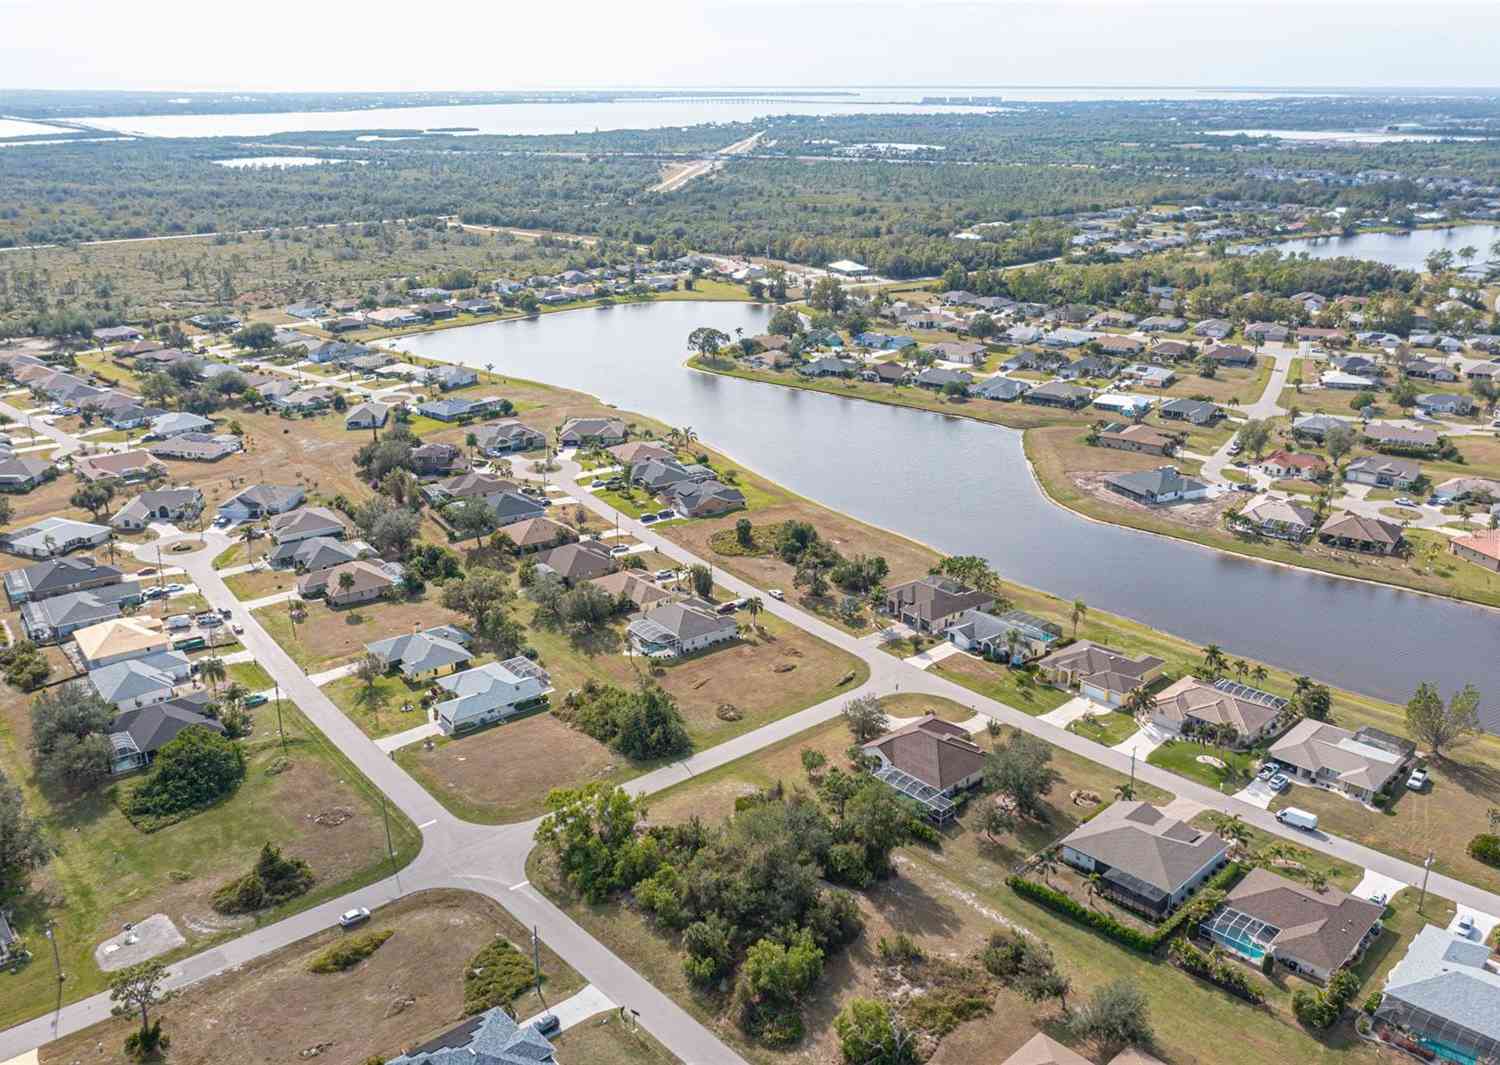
(1360, 533)
(261, 501)
(450, 377)
(305, 523)
(1157, 487)
(936, 377)
(1453, 403)
(1313, 933)
(178, 422)
(160, 505)
(1316, 426)
(50, 537)
(1349, 382)
(1332, 337)
(1193, 411)
(315, 553)
(370, 582)
(54, 619)
(511, 507)
(121, 639)
(1303, 465)
(58, 576)
(1481, 548)
(508, 437)
(673, 629)
(127, 466)
(1231, 355)
(537, 534)
(423, 654)
(990, 634)
(367, 416)
(1445, 992)
(1458, 489)
(1383, 471)
(1145, 859)
(657, 475)
(305, 399)
(1382, 435)
(113, 334)
(135, 735)
(929, 760)
(1213, 328)
(887, 373)
(491, 1038)
(456, 408)
(1125, 404)
(1100, 673)
(139, 682)
(198, 447)
(1189, 706)
(21, 473)
(933, 603)
(703, 499)
(1004, 389)
(436, 460)
(1284, 519)
(600, 432)
(828, 366)
(1141, 438)
(490, 693)
(1058, 394)
(582, 561)
(1158, 323)
(1358, 763)
(480, 486)
(624, 584)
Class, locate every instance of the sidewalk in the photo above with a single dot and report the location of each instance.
(579, 1007)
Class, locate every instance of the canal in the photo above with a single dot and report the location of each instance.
(965, 487)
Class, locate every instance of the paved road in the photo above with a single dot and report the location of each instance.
(492, 860)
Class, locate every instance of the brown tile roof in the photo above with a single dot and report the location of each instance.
(641, 591)
(1141, 840)
(536, 532)
(1191, 699)
(936, 752)
(1321, 928)
(1359, 527)
(1485, 543)
(115, 464)
(1042, 1049)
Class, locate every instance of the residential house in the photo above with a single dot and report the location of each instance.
(370, 582)
(54, 619)
(1383, 471)
(393, 317)
(1058, 394)
(1303, 465)
(1145, 860)
(436, 460)
(1191, 707)
(1316, 426)
(512, 507)
(1445, 993)
(579, 562)
(1272, 516)
(1360, 763)
(658, 475)
(508, 437)
(886, 373)
(1193, 411)
(1267, 331)
(1068, 338)
(1357, 532)
(1455, 404)
(1427, 369)
(22, 473)
(137, 734)
(538, 534)
(1157, 323)
(1014, 636)
(425, 654)
(1100, 673)
(131, 416)
(828, 366)
(158, 505)
(1004, 389)
(1087, 366)
(680, 627)
(939, 379)
(1114, 344)
(127, 466)
(1158, 487)
(138, 682)
(1231, 355)
(491, 1038)
(1481, 548)
(178, 422)
(1331, 337)
(490, 693)
(1125, 404)
(929, 760)
(1313, 933)
(1473, 489)
(451, 377)
(305, 400)
(1484, 371)
(305, 523)
(116, 333)
(1140, 438)
(959, 351)
(120, 639)
(596, 432)
(468, 486)
(367, 416)
(50, 537)
(705, 499)
(933, 603)
(316, 553)
(58, 576)
(198, 447)
(261, 501)
(1213, 328)
(623, 584)
(1384, 436)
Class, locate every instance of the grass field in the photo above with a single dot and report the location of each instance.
(332, 635)
(1228, 771)
(311, 802)
(1107, 729)
(377, 711)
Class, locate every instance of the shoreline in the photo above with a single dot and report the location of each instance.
(1050, 498)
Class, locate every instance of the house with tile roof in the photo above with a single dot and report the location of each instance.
(933, 603)
(136, 735)
(935, 752)
(1189, 707)
(1099, 673)
(1358, 532)
(1445, 992)
(1147, 860)
(490, 693)
(1481, 548)
(423, 654)
(1360, 763)
(1268, 515)
(127, 466)
(121, 639)
(58, 576)
(138, 682)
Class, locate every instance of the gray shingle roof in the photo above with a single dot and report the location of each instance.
(1141, 840)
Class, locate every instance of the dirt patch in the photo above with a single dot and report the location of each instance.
(1208, 759)
(1207, 514)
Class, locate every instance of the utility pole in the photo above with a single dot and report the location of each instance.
(1426, 872)
(536, 967)
(279, 726)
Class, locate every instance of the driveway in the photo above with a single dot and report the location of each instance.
(1256, 793)
(932, 655)
(1071, 711)
(1373, 883)
(1146, 739)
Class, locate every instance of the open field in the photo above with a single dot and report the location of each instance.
(408, 991)
(311, 802)
(378, 710)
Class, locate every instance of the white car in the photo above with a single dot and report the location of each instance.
(1418, 780)
(1380, 898)
(350, 918)
(1466, 925)
(617, 552)
(776, 593)
(1402, 501)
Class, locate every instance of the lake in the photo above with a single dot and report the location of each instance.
(1406, 251)
(965, 488)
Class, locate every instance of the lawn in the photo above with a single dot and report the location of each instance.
(330, 636)
(1015, 688)
(1107, 729)
(1214, 767)
(407, 992)
(259, 583)
(377, 711)
(604, 1040)
(1289, 859)
(1402, 921)
(310, 801)
(251, 675)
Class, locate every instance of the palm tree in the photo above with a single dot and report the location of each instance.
(1012, 641)
(346, 582)
(754, 605)
(213, 670)
(1258, 673)
(1045, 864)
(471, 441)
(1080, 611)
(1232, 829)
(1096, 886)
(1214, 661)
(1139, 702)
(1241, 669)
(1125, 791)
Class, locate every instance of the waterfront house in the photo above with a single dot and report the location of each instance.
(703, 499)
(1481, 548)
(1445, 992)
(1146, 860)
(932, 603)
(595, 432)
(1359, 763)
(1100, 673)
(1191, 707)
(1283, 519)
(1357, 532)
(990, 635)
(1058, 394)
(939, 379)
(886, 373)
(1140, 438)
(1158, 487)
(1004, 389)
(450, 377)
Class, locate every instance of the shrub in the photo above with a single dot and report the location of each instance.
(347, 953)
(1116, 1016)
(194, 771)
(273, 881)
(898, 951)
(1225, 974)
(868, 1035)
(1485, 848)
(496, 976)
(1322, 1009)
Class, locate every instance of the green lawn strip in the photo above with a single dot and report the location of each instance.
(1004, 685)
(251, 674)
(1183, 757)
(1292, 860)
(104, 863)
(1107, 729)
(377, 711)
(1401, 923)
(274, 620)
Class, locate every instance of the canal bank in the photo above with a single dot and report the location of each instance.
(965, 487)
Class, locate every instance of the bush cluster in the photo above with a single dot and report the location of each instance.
(347, 953)
(496, 976)
(197, 769)
(643, 724)
(25, 666)
(1225, 974)
(273, 881)
(1485, 848)
(1322, 1009)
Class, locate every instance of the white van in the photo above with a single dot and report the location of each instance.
(1298, 818)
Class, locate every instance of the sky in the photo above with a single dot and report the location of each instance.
(333, 45)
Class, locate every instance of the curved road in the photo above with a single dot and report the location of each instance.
(491, 860)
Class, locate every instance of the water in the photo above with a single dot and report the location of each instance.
(1406, 251)
(965, 488)
(265, 162)
(25, 127)
(592, 116)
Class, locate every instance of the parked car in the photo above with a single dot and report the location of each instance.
(1466, 925)
(173, 589)
(153, 593)
(238, 628)
(647, 519)
(1267, 771)
(1244, 486)
(350, 918)
(1418, 780)
(1402, 501)
(776, 593)
(1298, 819)
(666, 515)
(257, 699)
(224, 612)
(664, 574)
(1380, 898)
(209, 621)
(547, 1024)
(616, 552)
(1278, 783)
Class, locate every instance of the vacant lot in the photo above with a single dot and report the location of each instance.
(604, 1040)
(332, 635)
(379, 710)
(274, 1010)
(310, 801)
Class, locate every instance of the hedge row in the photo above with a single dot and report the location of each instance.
(1106, 925)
